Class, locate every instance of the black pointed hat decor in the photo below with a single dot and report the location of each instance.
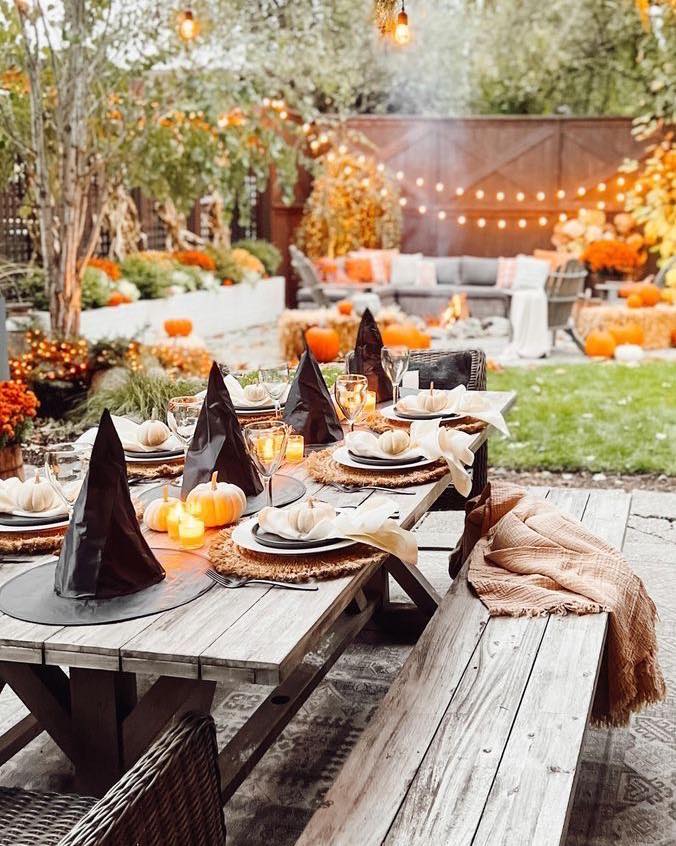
(106, 570)
(104, 553)
(366, 357)
(218, 443)
(309, 409)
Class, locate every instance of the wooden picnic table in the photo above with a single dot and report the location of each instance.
(286, 639)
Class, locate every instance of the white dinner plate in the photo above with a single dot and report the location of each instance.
(149, 458)
(253, 411)
(29, 530)
(390, 413)
(342, 456)
(243, 536)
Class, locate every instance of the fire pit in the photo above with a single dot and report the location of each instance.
(457, 309)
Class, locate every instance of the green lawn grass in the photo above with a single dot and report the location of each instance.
(601, 417)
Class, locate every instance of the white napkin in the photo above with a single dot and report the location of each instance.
(9, 493)
(443, 442)
(466, 403)
(366, 444)
(240, 399)
(370, 524)
(128, 432)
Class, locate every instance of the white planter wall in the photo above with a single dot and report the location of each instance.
(226, 309)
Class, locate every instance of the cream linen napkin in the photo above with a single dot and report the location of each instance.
(128, 433)
(239, 398)
(366, 444)
(370, 524)
(9, 492)
(466, 403)
(438, 441)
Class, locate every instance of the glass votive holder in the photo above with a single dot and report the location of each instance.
(191, 532)
(173, 519)
(295, 449)
(371, 399)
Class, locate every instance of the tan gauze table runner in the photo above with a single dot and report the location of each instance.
(528, 558)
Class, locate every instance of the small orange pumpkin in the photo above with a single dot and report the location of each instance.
(405, 334)
(227, 283)
(628, 289)
(117, 298)
(650, 294)
(179, 327)
(324, 343)
(599, 343)
(627, 333)
(635, 301)
(344, 307)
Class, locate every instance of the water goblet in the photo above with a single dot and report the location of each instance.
(351, 392)
(182, 415)
(275, 381)
(395, 360)
(266, 441)
(66, 467)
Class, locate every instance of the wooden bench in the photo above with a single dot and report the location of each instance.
(478, 739)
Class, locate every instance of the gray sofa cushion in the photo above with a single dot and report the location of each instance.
(448, 270)
(479, 271)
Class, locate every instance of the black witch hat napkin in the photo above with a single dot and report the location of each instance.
(218, 443)
(104, 553)
(366, 357)
(309, 409)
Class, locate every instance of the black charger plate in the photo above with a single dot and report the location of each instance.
(277, 542)
(15, 521)
(384, 462)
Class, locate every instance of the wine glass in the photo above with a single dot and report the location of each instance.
(351, 392)
(266, 441)
(275, 381)
(66, 466)
(182, 415)
(395, 361)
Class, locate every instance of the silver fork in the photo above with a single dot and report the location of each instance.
(233, 582)
(358, 488)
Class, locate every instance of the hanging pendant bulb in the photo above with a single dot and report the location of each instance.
(402, 31)
(188, 26)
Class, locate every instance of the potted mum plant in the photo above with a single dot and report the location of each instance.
(18, 407)
(610, 260)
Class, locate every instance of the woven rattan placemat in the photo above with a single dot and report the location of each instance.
(379, 424)
(323, 468)
(155, 471)
(31, 543)
(233, 560)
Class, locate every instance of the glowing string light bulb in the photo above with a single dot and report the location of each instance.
(462, 220)
(481, 222)
(402, 31)
(522, 223)
(420, 182)
(188, 26)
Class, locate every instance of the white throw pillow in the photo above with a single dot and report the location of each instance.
(427, 274)
(405, 269)
(530, 273)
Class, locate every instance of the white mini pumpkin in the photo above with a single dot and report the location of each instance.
(305, 516)
(157, 511)
(255, 393)
(394, 441)
(152, 433)
(220, 503)
(432, 400)
(35, 495)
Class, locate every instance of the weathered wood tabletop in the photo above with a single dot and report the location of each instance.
(257, 634)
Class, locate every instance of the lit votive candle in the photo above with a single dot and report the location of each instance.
(294, 448)
(190, 532)
(173, 519)
(370, 402)
(265, 447)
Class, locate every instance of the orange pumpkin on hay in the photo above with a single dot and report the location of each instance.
(405, 334)
(117, 298)
(324, 343)
(599, 343)
(650, 294)
(635, 301)
(628, 333)
(344, 307)
(179, 327)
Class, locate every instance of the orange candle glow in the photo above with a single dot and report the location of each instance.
(370, 402)
(173, 520)
(295, 448)
(190, 532)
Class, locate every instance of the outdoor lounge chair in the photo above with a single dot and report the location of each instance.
(170, 797)
(564, 287)
(308, 276)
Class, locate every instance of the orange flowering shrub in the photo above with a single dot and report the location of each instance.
(611, 255)
(195, 258)
(18, 406)
(110, 268)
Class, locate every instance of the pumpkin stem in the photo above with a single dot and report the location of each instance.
(37, 477)
(431, 388)
(165, 493)
(214, 480)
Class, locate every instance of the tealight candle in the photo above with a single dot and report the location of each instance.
(265, 447)
(173, 520)
(370, 402)
(190, 532)
(295, 448)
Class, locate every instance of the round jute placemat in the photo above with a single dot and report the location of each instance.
(232, 560)
(379, 424)
(155, 471)
(323, 468)
(32, 543)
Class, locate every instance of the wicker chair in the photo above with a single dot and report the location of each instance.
(308, 276)
(564, 288)
(170, 797)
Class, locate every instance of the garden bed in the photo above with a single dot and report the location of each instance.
(212, 312)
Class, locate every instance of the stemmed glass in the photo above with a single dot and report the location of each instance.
(66, 466)
(395, 361)
(351, 392)
(266, 441)
(182, 415)
(275, 381)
